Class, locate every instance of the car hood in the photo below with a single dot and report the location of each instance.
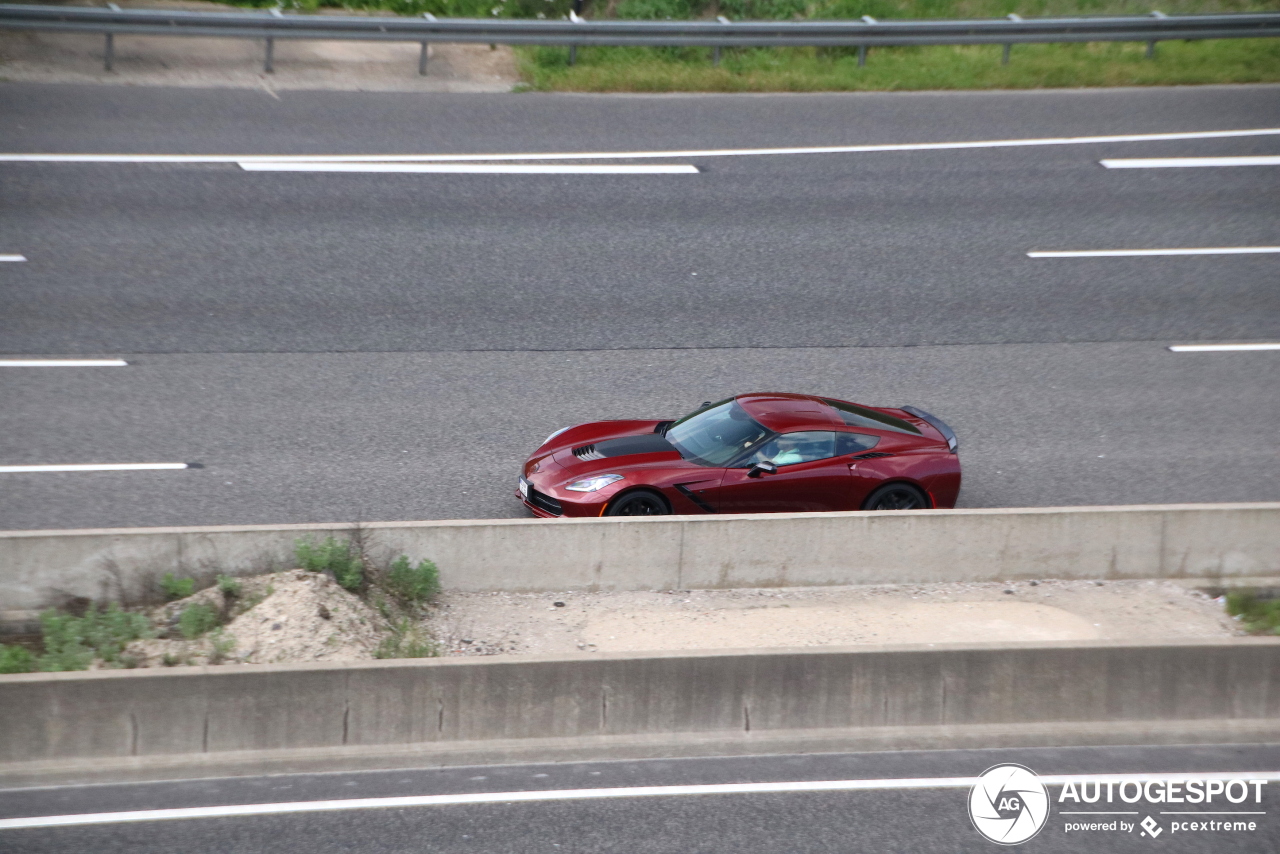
(606, 446)
(644, 444)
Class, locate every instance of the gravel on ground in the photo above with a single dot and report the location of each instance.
(578, 622)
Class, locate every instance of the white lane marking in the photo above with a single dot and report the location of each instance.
(1190, 162)
(92, 467)
(13, 258)
(589, 794)
(1134, 253)
(1221, 348)
(466, 169)
(63, 363)
(622, 155)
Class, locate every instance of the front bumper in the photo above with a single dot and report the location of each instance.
(546, 505)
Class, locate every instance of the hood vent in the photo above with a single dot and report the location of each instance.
(624, 446)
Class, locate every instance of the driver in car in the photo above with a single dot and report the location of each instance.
(787, 449)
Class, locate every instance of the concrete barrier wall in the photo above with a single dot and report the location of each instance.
(39, 568)
(125, 715)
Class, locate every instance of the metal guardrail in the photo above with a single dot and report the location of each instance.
(863, 34)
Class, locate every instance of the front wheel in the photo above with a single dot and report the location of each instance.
(639, 504)
(896, 496)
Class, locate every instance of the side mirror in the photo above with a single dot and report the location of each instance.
(762, 467)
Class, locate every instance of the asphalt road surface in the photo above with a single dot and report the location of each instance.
(880, 820)
(335, 347)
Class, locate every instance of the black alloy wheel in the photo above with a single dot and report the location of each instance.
(639, 504)
(896, 496)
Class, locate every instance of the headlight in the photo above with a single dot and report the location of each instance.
(591, 484)
(553, 435)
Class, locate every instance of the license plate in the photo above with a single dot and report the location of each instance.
(524, 488)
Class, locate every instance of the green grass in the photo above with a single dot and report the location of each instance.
(177, 588)
(899, 69)
(72, 643)
(836, 69)
(197, 619)
(412, 584)
(16, 659)
(229, 587)
(342, 560)
(1259, 616)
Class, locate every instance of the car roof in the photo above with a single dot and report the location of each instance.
(787, 413)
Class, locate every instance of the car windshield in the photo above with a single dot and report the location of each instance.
(715, 435)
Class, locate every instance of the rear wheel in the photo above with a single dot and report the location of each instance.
(896, 496)
(641, 503)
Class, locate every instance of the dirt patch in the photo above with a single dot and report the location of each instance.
(533, 624)
(238, 63)
(289, 616)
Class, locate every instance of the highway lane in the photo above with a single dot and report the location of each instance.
(924, 820)
(88, 118)
(884, 249)
(384, 436)
(391, 346)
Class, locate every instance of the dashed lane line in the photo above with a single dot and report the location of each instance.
(93, 467)
(1138, 253)
(63, 363)
(468, 168)
(1190, 162)
(1221, 348)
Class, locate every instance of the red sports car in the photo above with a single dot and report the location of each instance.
(754, 453)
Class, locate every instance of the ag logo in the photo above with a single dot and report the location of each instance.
(1009, 804)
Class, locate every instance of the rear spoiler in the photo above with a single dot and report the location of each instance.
(953, 444)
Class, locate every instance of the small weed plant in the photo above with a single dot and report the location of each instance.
(223, 644)
(16, 659)
(72, 643)
(331, 556)
(177, 588)
(195, 620)
(413, 584)
(406, 640)
(1259, 616)
(229, 587)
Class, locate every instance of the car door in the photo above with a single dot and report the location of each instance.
(810, 477)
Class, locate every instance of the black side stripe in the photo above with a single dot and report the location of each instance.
(688, 493)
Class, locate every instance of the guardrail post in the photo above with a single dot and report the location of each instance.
(862, 48)
(573, 16)
(1004, 59)
(109, 51)
(1151, 45)
(715, 51)
(268, 64)
(422, 57)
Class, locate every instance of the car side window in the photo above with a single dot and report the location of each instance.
(791, 448)
(854, 443)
